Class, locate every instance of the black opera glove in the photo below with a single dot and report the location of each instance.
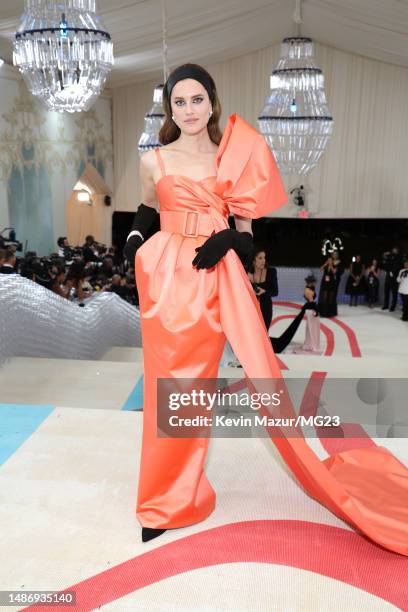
(217, 245)
(143, 219)
(131, 247)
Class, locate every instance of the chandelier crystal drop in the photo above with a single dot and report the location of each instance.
(154, 120)
(63, 52)
(296, 120)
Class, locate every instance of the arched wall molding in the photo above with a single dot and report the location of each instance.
(42, 155)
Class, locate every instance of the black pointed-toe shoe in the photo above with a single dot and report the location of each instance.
(150, 534)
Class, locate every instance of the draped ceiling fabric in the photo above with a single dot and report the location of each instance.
(214, 31)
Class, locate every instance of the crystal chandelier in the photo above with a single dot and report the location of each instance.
(154, 119)
(63, 52)
(296, 120)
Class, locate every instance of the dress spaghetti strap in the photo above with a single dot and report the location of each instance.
(160, 160)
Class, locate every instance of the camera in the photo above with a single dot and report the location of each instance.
(11, 240)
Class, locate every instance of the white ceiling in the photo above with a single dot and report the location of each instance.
(213, 30)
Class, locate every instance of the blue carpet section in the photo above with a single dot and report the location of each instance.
(135, 399)
(17, 423)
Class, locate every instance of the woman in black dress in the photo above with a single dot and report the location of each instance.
(265, 284)
(355, 283)
(328, 288)
(372, 280)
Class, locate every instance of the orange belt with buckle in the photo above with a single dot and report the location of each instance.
(189, 223)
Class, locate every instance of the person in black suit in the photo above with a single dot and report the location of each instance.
(372, 283)
(89, 250)
(9, 263)
(338, 269)
(328, 289)
(119, 286)
(264, 281)
(392, 264)
(355, 285)
(402, 280)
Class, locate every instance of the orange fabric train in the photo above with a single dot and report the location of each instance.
(186, 315)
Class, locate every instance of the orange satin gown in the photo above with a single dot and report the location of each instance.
(186, 316)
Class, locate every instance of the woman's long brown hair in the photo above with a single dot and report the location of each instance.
(170, 131)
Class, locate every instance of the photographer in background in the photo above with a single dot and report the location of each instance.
(392, 264)
(338, 268)
(328, 290)
(116, 256)
(9, 263)
(58, 284)
(74, 281)
(107, 268)
(120, 286)
(68, 273)
(26, 265)
(402, 280)
(355, 285)
(11, 243)
(63, 247)
(372, 283)
(89, 249)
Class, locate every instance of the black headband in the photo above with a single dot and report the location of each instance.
(190, 72)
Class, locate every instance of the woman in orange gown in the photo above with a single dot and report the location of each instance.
(187, 312)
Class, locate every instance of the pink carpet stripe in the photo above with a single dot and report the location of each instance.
(345, 437)
(351, 336)
(326, 550)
